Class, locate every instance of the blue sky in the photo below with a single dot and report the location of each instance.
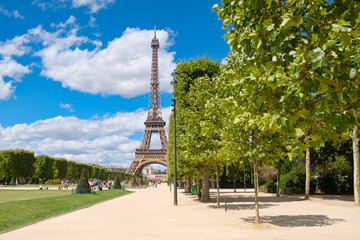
(75, 74)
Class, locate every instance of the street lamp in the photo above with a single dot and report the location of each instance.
(174, 75)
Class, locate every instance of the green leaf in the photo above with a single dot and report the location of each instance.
(215, 7)
(290, 2)
(299, 132)
(317, 55)
(267, 22)
(330, 42)
(345, 39)
(341, 27)
(318, 58)
(269, 3)
(286, 19)
(353, 73)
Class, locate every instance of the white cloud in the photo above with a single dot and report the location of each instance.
(15, 46)
(122, 68)
(93, 5)
(71, 21)
(15, 14)
(92, 22)
(12, 69)
(102, 141)
(6, 89)
(67, 106)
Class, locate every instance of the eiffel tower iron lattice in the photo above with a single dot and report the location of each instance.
(154, 123)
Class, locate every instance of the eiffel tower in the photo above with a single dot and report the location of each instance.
(154, 123)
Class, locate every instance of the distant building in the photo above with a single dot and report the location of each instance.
(149, 172)
(115, 168)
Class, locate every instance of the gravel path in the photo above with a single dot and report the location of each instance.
(150, 214)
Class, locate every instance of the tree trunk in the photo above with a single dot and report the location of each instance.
(205, 193)
(217, 187)
(244, 180)
(256, 186)
(307, 180)
(355, 139)
(198, 185)
(278, 182)
(212, 182)
(189, 183)
(234, 181)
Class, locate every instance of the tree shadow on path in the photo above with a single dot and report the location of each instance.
(243, 206)
(271, 199)
(297, 220)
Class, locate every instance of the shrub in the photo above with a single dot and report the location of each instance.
(53, 182)
(337, 177)
(83, 185)
(142, 182)
(13, 181)
(117, 184)
(294, 180)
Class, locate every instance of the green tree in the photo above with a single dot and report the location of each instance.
(4, 167)
(71, 172)
(44, 167)
(307, 52)
(79, 167)
(190, 107)
(83, 185)
(102, 174)
(60, 168)
(18, 163)
(117, 184)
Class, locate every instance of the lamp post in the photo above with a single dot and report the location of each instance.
(174, 75)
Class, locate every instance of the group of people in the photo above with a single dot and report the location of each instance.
(97, 185)
(153, 184)
(64, 185)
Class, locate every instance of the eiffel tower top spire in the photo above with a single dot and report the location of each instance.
(154, 111)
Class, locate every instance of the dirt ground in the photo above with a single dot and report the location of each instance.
(150, 214)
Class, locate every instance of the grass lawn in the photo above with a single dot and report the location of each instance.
(15, 195)
(17, 213)
(31, 186)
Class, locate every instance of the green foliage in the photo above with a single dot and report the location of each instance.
(293, 180)
(192, 90)
(295, 65)
(60, 168)
(79, 167)
(117, 184)
(71, 170)
(13, 181)
(336, 177)
(102, 174)
(2, 169)
(134, 183)
(44, 167)
(83, 185)
(142, 183)
(53, 182)
(18, 163)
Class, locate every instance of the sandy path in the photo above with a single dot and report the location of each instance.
(150, 214)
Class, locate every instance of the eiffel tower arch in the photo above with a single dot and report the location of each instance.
(154, 123)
